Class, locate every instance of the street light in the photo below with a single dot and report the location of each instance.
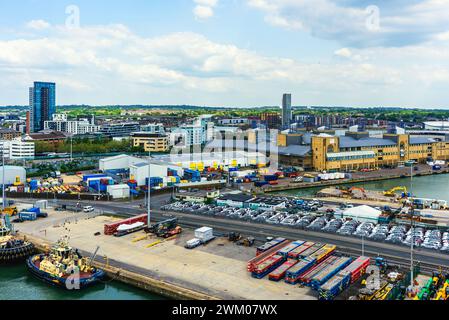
(149, 190)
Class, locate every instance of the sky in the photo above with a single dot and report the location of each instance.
(228, 52)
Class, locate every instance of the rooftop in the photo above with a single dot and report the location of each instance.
(239, 197)
(349, 142)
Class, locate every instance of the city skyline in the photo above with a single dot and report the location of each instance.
(239, 53)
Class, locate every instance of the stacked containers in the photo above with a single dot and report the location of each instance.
(266, 266)
(311, 250)
(280, 272)
(286, 250)
(324, 252)
(263, 256)
(307, 276)
(295, 253)
(292, 275)
(269, 245)
(338, 283)
(335, 285)
(329, 271)
(358, 268)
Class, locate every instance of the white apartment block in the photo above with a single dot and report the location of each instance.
(17, 149)
(75, 127)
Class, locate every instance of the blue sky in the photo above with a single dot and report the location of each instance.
(228, 52)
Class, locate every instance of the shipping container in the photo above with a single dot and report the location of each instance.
(329, 271)
(93, 176)
(324, 252)
(265, 255)
(269, 245)
(27, 216)
(292, 275)
(295, 253)
(285, 251)
(334, 286)
(358, 268)
(266, 266)
(307, 276)
(280, 272)
(269, 178)
(314, 248)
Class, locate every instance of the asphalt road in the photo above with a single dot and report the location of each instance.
(400, 254)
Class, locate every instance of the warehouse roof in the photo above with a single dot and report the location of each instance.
(421, 140)
(349, 142)
(295, 150)
(238, 197)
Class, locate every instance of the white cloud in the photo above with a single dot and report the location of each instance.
(400, 23)
(38, 24)
(208, 3)
(343, 52)
(203, 12)
(111, 64)
(204, 9)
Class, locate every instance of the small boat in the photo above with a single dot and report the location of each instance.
(64, 267)
(13, 249)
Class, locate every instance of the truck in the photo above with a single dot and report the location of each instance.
(202, 236)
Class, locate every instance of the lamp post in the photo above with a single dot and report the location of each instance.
(3, 179)
(149, 191)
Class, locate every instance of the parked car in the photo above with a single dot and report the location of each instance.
(88, 209)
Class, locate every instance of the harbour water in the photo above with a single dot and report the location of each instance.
(16, 283)
(432, 187)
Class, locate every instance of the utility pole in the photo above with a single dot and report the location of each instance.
(363, 245)
(412, 282)
(3, 179)
(71, 148)
(149, 190)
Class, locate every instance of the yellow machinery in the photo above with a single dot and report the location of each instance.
(392, 192)
(11, 211)
(442, 293)
(17, 182)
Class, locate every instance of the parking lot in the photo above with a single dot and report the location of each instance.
(314, 216)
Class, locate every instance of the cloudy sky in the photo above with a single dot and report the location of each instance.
(228, 52)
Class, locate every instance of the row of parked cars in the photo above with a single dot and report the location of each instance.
(322, 221)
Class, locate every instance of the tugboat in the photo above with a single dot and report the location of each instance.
(64, 267)
(12, 249)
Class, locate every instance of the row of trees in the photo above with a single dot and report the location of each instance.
(87, 146)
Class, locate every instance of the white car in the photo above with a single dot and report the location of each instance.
(88, 209)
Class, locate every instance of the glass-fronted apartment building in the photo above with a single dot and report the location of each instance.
(42, 98)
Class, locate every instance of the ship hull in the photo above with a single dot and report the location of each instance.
(86, 280)
(16, 253)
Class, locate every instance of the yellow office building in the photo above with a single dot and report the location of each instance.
(356, 150)
(150, 141)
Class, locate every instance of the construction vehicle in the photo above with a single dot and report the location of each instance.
(443, 292)
(11, 211)
(234, 237)
(246, 242)
(381, 263)
(430, 289)
(392, 192)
